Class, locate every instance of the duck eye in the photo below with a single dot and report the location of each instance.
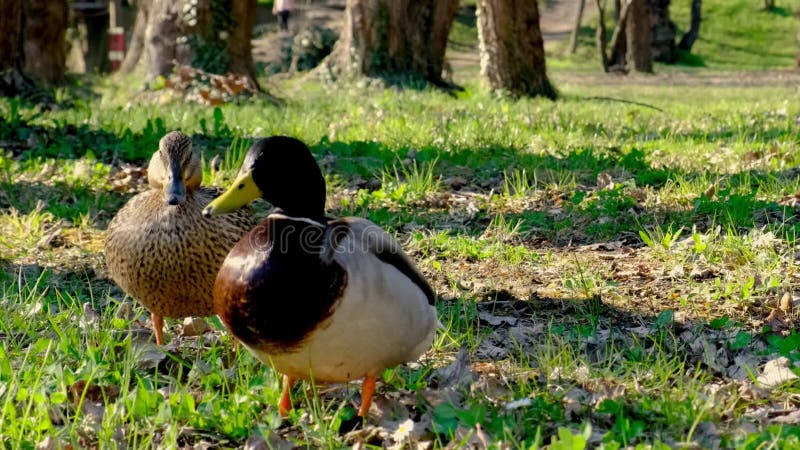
(241, 186)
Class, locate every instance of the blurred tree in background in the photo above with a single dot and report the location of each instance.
(212, 35)
(393, 39)
(638, 37)
(511, 47)
(32, 48)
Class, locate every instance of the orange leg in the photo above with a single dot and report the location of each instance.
(367, 389)
(158, 327)
(286, 400)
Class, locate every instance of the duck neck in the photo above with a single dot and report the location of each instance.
(303, 200)
(302, 213)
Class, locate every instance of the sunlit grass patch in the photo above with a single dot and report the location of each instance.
(446, 245)
(599, 262)
(20, 232)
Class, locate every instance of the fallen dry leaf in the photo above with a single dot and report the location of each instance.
(711, 191)
(194, 326)
(776, 372)
(793, 418)
(94, 393)
(493, 320)
(605, 181)
(707, 435)
(751, 392)
(455, 183)
(89, 319)
(472, 438)
(273, 442)
(575, 401)
(699, 273)
(458, 374)
(49, 443)
(786, 303)
(147, 354)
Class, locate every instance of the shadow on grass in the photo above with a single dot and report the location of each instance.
(65, 202)
(756, 50)
(588, 214)
(577, 342)
(688, 59)
(780, 11)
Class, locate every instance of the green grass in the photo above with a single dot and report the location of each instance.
(734, 35)
(531, 171)
(740, 34)
(614, 272)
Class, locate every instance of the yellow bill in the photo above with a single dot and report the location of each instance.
(243, 191)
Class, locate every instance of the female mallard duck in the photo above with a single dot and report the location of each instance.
(332, 300)
(159, 248)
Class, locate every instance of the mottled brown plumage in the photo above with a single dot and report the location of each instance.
(159, 248)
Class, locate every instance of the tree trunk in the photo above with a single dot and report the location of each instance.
(615, 62)
(663, 32)
(688, 39)
(576, 27)
(160, 38)
(600, 37)
(44, 39)
(32, 39)
(511, 47)
(11, 37)
(394, 39)
(769, 4)
(136, 44)
(619, 43)
(212, 35)
(638, 36)
(240, 45)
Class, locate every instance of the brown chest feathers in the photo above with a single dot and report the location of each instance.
(167, 257)
(274, 290)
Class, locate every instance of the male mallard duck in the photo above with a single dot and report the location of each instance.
(159, 248)
(332, 300)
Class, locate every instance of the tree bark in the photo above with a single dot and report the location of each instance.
(136, 45)
(44, 33)
(600, 35)
(619, 42)
(240, 45)
(11, 55)
(576, 27)
(663, 32)
(212, 35)
(160, 38)
(638, 36)
(511, 47)
(393, 39)
(688, 39)
(32, 42)
(616, 61)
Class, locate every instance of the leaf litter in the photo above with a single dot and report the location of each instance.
(527, 307)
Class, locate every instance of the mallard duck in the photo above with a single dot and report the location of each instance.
(316, 298)
(159, 248)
